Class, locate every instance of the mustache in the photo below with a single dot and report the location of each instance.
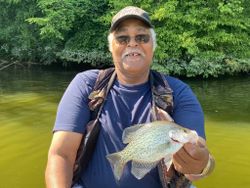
(130, 51)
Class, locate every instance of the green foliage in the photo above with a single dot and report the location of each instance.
(59, 18)
(189, 28)
(89, 29)
(18, 39)
(209, 67)
(194, 38)
(77, 24)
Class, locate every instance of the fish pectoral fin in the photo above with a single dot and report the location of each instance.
(140, 169)
(168, 161)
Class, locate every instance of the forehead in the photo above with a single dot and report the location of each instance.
(131, 25)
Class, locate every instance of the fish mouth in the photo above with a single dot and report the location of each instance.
(174, 140)
(173, 137)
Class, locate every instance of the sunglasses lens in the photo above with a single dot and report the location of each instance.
(123, 39)
(142, 38)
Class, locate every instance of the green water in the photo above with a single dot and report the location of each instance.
(28, 102)
(226, 104)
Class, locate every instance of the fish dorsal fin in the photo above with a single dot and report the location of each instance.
(140, 169)
(130, 132)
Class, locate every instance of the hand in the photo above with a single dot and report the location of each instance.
(191, 158)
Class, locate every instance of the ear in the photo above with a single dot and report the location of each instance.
(110, 41)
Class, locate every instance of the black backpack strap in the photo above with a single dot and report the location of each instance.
(100, 90)
(97, 98)
(162, 96)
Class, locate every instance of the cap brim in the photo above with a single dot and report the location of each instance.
(117, 22)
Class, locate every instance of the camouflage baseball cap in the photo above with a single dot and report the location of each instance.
(130, 12)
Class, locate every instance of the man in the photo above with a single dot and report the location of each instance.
(132, 42)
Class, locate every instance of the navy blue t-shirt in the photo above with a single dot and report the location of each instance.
(126, 105)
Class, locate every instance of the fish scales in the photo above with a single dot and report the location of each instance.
(148, 147)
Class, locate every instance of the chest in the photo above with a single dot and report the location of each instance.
(128, 106)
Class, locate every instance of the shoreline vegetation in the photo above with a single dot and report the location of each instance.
(195, 38)
(173, 67)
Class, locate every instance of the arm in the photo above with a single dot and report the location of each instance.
(61, 158)
(191, 159)
(72, 117)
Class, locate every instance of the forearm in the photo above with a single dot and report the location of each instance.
(61, 159)
(59, 172)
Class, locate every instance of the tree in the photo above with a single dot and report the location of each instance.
(18, 39)
(195, 37)
(198, 37)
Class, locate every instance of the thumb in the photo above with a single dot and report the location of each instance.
(196, 151)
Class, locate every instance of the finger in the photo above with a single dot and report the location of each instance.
(191, 158)
(199, 155)
(183, 155)
(191, 149)
(181, 161)
(196, 151)
(180, 165)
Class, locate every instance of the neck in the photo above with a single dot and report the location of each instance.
(132, 78)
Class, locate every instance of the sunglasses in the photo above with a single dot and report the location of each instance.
(140, 39)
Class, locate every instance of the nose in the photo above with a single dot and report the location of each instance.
(132, 42)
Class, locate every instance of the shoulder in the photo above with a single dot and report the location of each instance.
(73, 111)
(84, 81)
(177, 85)
(182, 92)
(82, 84)
(87, 77)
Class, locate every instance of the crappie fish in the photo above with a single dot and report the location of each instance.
(148, 144)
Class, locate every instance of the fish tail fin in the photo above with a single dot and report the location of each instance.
(117, 163)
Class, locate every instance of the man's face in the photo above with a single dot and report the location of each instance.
(132, 47)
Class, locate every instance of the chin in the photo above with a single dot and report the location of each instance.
(134, 68)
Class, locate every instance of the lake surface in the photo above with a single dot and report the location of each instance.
(28, 103)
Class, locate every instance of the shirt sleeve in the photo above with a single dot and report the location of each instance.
(73, 112)
(187, 109)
